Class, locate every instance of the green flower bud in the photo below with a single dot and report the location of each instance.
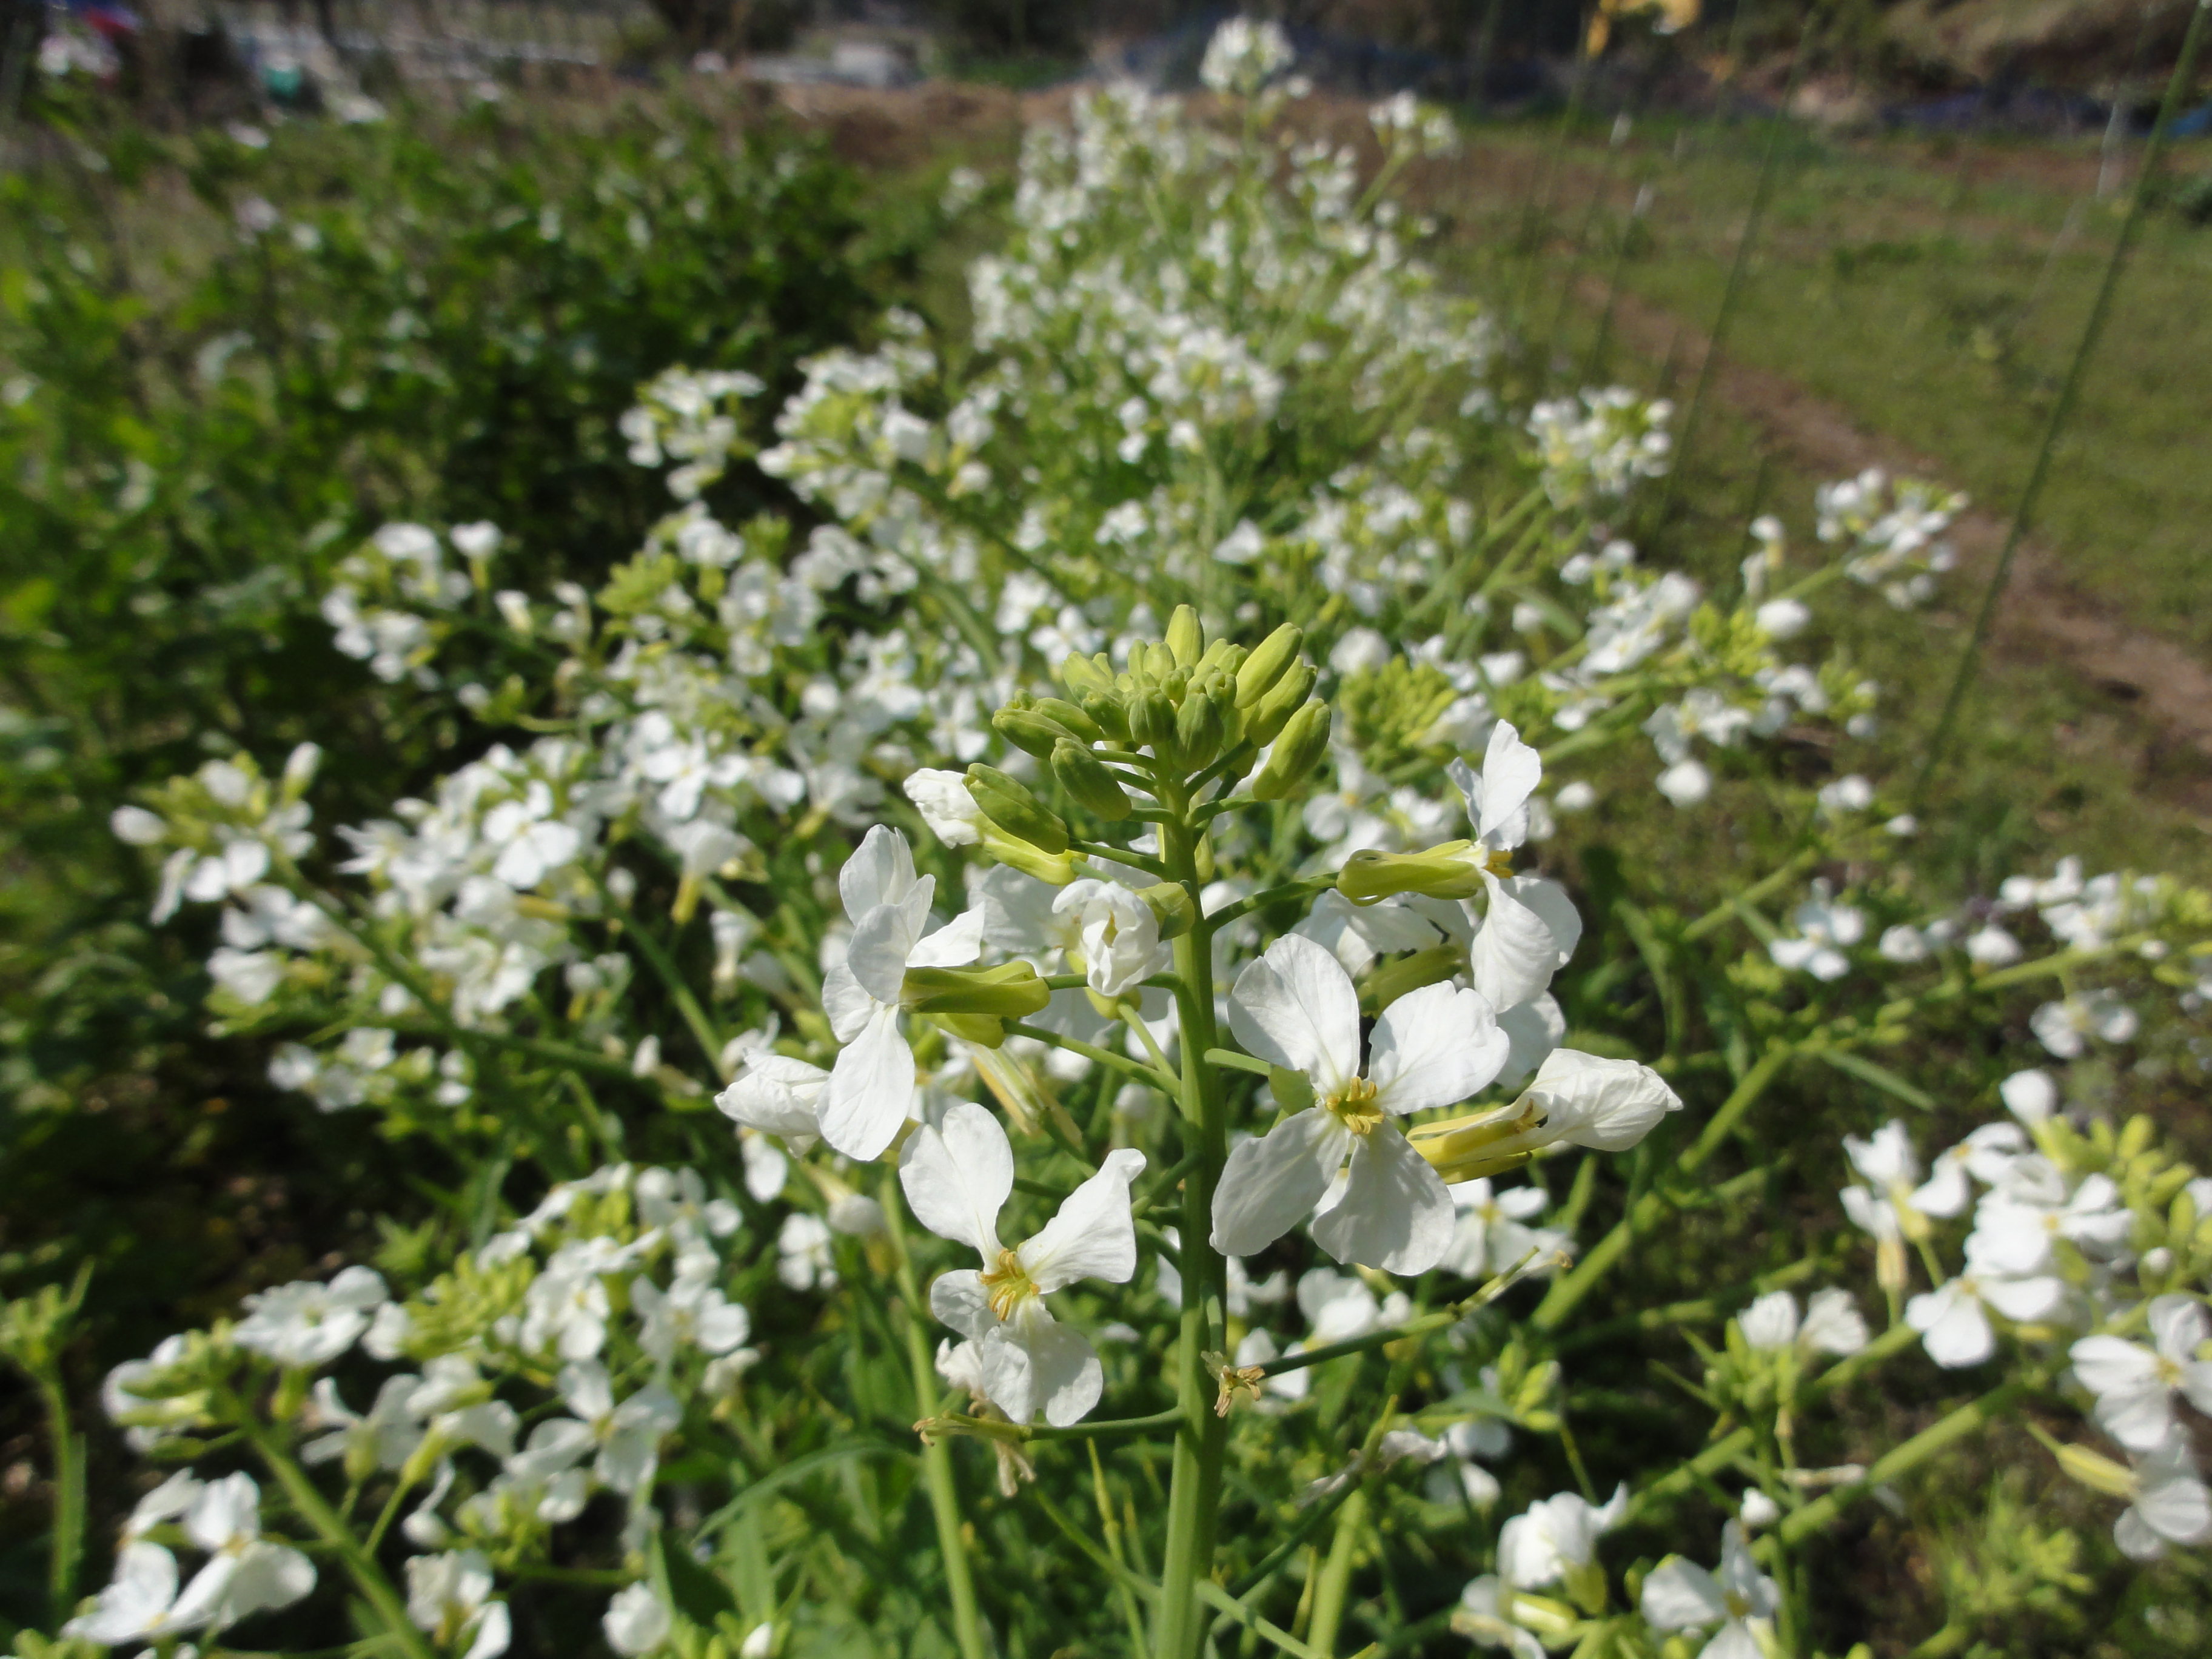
(1105, 707)
(1057, 868)
(1186, 639)
(1088, 779)
(1453, 870)
(1012, 992)
(1266, 662)
(1304, 741)
(1198, 732)
(1222, 694)
(1159, 661)
(1152, 723)
(1265, 720)
(1029, 731)
(1170, 902)
(1079, 673)
(1008, 803)
(1080, 726)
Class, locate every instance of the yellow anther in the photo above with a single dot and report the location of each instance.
(1497, 861)
(1007, 1284)
(1354, 1106)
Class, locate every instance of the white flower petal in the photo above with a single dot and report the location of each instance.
(1272, 1183)
(869, 1089)
(957, 1177)
(1514, 956)
(1680, 1594)
(1296, 1008)
(1091, 1237)
(879, 872)
(1394, 1212)
(955, 944)
(1434, 1047)
(959, 1299)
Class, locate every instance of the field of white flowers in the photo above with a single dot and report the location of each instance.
(1059, 1057)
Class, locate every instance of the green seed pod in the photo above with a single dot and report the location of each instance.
(1079, 724)
(1029, 731)
(1159, 661)
(1153, 722)
(1264, 720)
(1008, 804)
(1304, 741)
(1079, 673)
(1170, 902)
(1266, 662)
(1105, 707)
(1198, 732)
(1186, 639)
(1088, 780)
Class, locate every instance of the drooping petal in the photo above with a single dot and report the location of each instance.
(879, 871)
(1064, 1376)
(1272, 1183)
(870, 1089)
(1514, 956)
(959, 1299)
(957, 1177)
(955, 944)
(1434, 1047)
(848, 1006)
(1680, 1594)
(1091, 1237)
(1296, 1007)
(1610, 1104)
(1394, 1212)
(777, 1093)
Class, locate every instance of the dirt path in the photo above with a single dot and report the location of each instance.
(2043, 614)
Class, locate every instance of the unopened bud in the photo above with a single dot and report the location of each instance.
(1011, 992)
(1089, 782)
(1266, 662)
(1265, 720)
(1079, 673)
(1304, 741)
(1186, 639)
(1105, 707)
(2097, 1472)
(1152, 723)
(1444, 871)
(1159, 661)
(1198, 732)
(1085, 729)
(1057, 868)
(1169, 900)
(1008, 804)
(1029, 730)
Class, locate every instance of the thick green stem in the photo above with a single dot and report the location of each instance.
(1335, 1581)
(1194, 1491)
(68, 1547)
(936, 1455)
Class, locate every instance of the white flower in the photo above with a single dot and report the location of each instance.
(1686, 783)
(872, 1085)
(636, 1621)
(309, 1324)
(1489, 1236)
(1529, 928)
(1830, 1325)
(957, 1178)
(1825, 932)
(446, 1595)
(1296, 1008)
(1555, 1537)
(2029, 1096)
(1120, 936)
(778, 1095)
(137, 1604)
(1679, 1595)
(691, 1311)
(2169, 1504)
(628, 1434)
(946, 806)
(804, 1262)
(1482, 1618)
(2135, 1385)
(2016, 1228)
(384, 1439)
(2065, 1027)
(1953, 1327)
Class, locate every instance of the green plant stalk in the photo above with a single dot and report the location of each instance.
(1938, 1436)
(2184, 70)
(1566, 1293)
(67, 1549)
(1195, 1488)
(936, 1454)
(360, 1565)
(1335, 1581)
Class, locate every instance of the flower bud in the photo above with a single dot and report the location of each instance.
(1008, 804)
(1264, 719)
(1159, 661)
(1079, 673)
(1444, 871)
(1170, 902)
(2097, 1472)
(1089, 780)
(1296, 753)
(1186, 639)
(1105, 707)
(1084, 728)
(1152, 723)
(1057, 868)
(1029, 730)
(1267, 664)
(1011, 992)
(1198, 732)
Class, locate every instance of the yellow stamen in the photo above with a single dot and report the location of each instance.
(1008, 1284)
(1354, 1106)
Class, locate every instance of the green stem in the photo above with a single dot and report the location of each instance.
(936, 1455)
(1335, 1581)
(1937, 1438)
(2184, 69)
(1194, 1489)
(360, 1565)
(68, 1547)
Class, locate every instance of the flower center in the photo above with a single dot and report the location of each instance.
(1497, 861)
(1354, 1106)
(1008, 1286)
